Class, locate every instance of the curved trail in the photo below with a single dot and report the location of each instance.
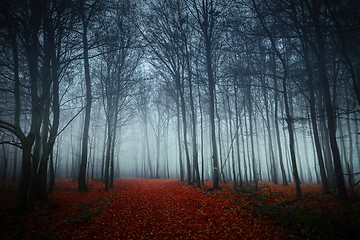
(168, 209)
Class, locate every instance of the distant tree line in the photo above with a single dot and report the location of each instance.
(244, 91)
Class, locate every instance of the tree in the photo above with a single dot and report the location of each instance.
(285, 78)
(159, 124)
(143, 101)
(42, 25)
(168, 56)
(206, 13)
(86, 12)
(302, 30)
(319, 52)
(117, 76)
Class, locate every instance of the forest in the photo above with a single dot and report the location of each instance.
(219, 94)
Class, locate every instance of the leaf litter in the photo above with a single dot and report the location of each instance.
(169, 209)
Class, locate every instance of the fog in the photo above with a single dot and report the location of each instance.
(194, 90)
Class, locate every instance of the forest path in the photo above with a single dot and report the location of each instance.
(168, 209)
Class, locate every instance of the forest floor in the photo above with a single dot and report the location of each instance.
(169, 209)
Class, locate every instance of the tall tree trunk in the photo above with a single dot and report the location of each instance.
(148, 148)
(15, 160)
(108, 152)
(143, 158)
(342, 147)
(222, 175)
(166, 144)
(267, 156)
(317, 171)
(113, 143)
(306, 153)
(314, 124)
(180, 86)
(201, 136)
(298, 157)
(157, 157)
(237, 125)
(324, 138)
(24, 198)
(52, 173)
(290, 123)
(182, 178)
(15, 53)
(277, 129)
(48, 142)
(357, 138)
(206, 19)
(41, 171)
(256, 135)
(246, 153)
(330, 116)
(274, 175)
(85, 140)
(350, 132)
(103, 156)
(231, 138)
(251, 133)
(193, 121)
(212, 124)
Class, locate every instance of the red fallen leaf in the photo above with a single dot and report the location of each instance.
(158, 209)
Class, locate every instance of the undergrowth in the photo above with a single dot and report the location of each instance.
(306, 220)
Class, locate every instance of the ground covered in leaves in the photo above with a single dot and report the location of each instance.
(169, 209)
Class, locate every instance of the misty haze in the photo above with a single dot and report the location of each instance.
(179, 119)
